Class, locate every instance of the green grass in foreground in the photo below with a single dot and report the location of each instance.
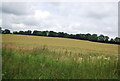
(44, 64)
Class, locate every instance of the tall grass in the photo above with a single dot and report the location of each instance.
(42, 63)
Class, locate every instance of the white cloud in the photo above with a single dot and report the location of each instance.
(100, 18)
(0, 22)
(41, 14)
(20, 26)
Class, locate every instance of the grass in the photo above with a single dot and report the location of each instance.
(33, 57)
(44, 64)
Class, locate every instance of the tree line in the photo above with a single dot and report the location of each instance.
(88, 36)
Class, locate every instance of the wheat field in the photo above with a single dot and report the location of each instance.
(59, 44)
(57, 58)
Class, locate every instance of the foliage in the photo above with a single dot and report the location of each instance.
(42, 63)
(93, 37)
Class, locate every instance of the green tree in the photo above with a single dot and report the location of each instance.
(101, 38)
(29, 32)
(94, 37)
(82, 36)
(15, 32)
(106, 38)
(52, 34)
(77, 36)
(112, 40)
(117, 40)
(88, 36)
(6, 31)
(61, 34)
(0, 30)
(38, 33)
(21, 32)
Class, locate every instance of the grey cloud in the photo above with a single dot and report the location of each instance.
(16, 8)
(100, 18)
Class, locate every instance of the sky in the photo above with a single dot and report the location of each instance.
(69, 17)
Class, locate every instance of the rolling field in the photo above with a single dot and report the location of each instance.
(59, 44)
(37, 57)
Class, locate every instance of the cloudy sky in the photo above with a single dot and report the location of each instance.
(70, 17)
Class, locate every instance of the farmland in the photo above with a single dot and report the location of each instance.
(38, 57)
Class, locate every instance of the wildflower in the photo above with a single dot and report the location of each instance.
(107, 58)
(99, 57)
(80, 59)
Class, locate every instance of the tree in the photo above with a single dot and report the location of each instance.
(35, 32)
(101, 38)
(82, 36)
(112, 40)
(88, 36)
(0, 30)
(117, 40)
(77, 36)
(66, 35)
(44, 33)
(38, 33)
(94, 37)
(6, 31)
(21, 32)
(71, 36)
(61, 34)
(106, 38)
(52, 34)
(15, 32)
(29, 32)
